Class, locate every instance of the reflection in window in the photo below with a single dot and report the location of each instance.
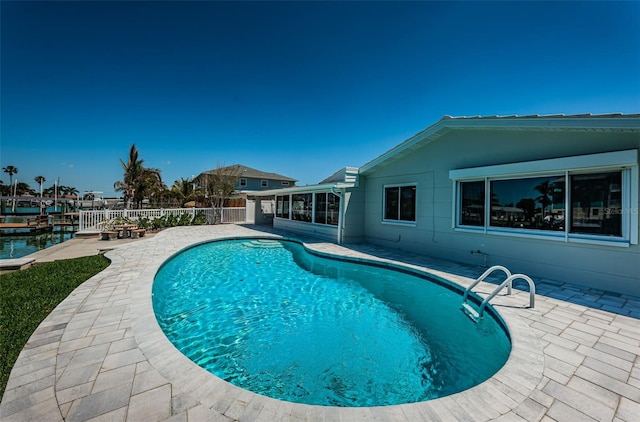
(333, 209)
(301, 206)
(400, 203)
(327, 207)
(596, 203)
(282, 206)
(472, 203)
(528, 203)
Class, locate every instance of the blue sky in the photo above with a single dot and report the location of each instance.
(296, 88)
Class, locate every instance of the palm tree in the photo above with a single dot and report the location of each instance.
(40, 180)
(148, 184)
(137, 181)
(11, 170)
(69, 190)
(184, 189)
(132, 171)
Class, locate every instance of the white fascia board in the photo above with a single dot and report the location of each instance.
(325, 187)
(579, 162)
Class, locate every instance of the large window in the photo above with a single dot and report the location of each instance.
(596, 203)
(301, 206)
(528, 203)
(327, 208)
(400, 203)
(590, 199)
(282, 206)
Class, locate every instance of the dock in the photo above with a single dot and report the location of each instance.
(12, 225)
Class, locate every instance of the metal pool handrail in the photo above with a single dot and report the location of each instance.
(507, 282)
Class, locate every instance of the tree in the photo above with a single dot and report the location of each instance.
(218, 185)
(185, 190)
(67, 190)
(11, 170)
(40, 180)
(132, 171)
(138, 181)
(148, 185)
(546, 193)
(23, 188)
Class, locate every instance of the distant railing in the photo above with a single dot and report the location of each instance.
(94, 219)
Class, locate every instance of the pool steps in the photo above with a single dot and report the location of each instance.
(263, 243)
(508, 282)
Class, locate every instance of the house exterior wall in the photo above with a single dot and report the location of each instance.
(255, 184)
(354, 216)
(321, 231)
(604, 266)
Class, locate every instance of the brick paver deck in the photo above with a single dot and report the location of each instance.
(101, 356)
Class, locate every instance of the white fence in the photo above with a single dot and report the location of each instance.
(93, 220)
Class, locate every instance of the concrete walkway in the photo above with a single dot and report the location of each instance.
(101, 356)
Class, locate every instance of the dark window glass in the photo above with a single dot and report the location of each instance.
(596, 203)
(301, 204)
(391, 201)
(333, 208)
(321, 208)
(400, 203)
(408, 203)
(528, 203)
(243, 182)
(472, 203)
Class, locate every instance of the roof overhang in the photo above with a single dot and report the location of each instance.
(570, 123)
(324, 187)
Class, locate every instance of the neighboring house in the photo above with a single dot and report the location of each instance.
(554, 197)
(250, 179)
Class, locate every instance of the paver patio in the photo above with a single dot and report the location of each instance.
(101, 356)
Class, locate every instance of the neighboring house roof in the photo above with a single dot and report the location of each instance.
(577, 122)
(239, 170)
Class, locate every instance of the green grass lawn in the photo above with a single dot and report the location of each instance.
(28, 296)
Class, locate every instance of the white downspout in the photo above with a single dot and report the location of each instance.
(340, 213)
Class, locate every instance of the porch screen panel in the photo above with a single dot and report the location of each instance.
(301, 204)
(282, 206)
(333, 208)
(321, 208)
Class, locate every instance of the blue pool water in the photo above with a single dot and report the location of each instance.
(270, 317)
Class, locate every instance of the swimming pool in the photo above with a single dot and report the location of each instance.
(275, 319)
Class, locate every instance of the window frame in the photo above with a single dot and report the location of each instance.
(398, 221)
(242, 182)
(264, 183)
(624, 161)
